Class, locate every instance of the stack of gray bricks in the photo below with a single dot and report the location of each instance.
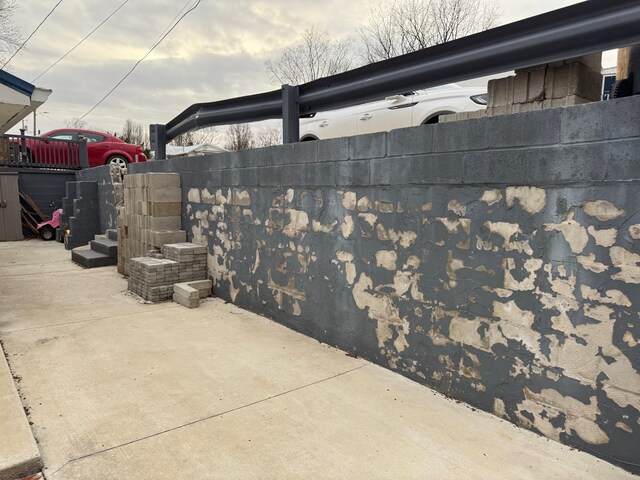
(151, 216)
(191, 258)
(152, 278)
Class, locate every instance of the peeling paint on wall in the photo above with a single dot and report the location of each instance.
(520, 300)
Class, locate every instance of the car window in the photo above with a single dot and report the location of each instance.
(93, 137)
(62, 136)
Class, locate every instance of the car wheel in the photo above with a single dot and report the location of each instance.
(120, 161)
(47, 233)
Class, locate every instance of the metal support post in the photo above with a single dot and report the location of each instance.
(83, 153)
(158, 140)
(290, 114)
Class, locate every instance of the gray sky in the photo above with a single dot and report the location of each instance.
(217, 52)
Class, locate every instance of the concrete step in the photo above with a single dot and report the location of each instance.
(100, 237)
(112, 234)
(106, 247)
(92, 259)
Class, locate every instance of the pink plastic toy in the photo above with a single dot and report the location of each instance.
(48, 229)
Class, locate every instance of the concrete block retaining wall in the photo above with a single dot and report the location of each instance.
(496, 260)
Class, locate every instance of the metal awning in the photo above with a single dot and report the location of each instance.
(18, 99)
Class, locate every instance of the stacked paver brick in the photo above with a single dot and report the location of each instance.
(152, 278)
(191, 258)
(151, 215)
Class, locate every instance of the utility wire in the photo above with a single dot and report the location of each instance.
(143, 58)
(81, 41)
(32, 33)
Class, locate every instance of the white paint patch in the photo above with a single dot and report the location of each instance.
(384, 207)
(628, 263)
(364, 205)
(386, 259)
(347, 226)
(589, 262)
(531, 266)
(207, 197)
(532, 199)
(506, 231)
(349, 200)
(611, 297)
(629, 339)
(517, 324)
(574, 233)
(550, 404)
(457, 208)
(602, 210)
(370, 218)
(604, 238)
(289, 196)
(350, 268)
(319, 227)
(455, 224)
(241, 198)
(491, 197)
(634, 231)
(298, 223)
(194, 195)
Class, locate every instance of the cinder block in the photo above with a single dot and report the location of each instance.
(165, 223)
(373, 145)
(525, 129)
(460, 136)
(160, 238)
(165, 209)
(164, 194)
(352, 173)
(189, 303)
(185, 290)
(332, 150)
(408, 141)
(163, 180)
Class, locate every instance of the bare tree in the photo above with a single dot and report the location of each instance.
(267, 136)
(205, 135)
(404, 26)
(9, 35)
(239, 137)
(135, 133)
(183, 140)
(75, 122)
(314, 57)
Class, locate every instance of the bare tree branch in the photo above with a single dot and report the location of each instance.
(239, 137)
(404, 26)
(314, 57)
(10, 38)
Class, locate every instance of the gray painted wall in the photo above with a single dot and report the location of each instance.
(46, 188)
(495, 260)
(106, 194)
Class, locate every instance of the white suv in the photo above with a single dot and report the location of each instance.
(398, 111)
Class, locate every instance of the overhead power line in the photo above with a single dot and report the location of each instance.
(143, 58)
(32, 33)
(81, 41)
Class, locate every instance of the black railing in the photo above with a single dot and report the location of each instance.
(42, 152)
(585, 28)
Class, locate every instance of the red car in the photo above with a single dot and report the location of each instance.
(102, 148)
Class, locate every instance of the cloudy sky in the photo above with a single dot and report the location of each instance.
(218, 51)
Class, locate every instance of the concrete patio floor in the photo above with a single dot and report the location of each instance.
(118, 389)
